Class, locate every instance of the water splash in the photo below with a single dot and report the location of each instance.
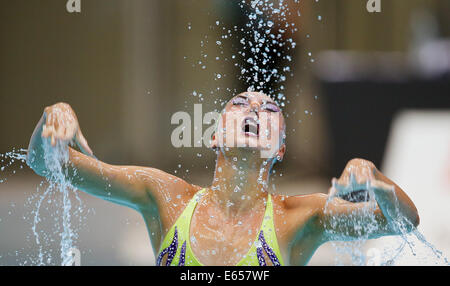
(261, 50)
(10, 158)
(361, 225)
(55, 160)
(268, 38)
(53, 196)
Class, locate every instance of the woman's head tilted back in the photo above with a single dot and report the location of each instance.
(253, 122)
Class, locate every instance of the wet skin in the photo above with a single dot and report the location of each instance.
(226, 220)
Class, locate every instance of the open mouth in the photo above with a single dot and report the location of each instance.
(250, 127)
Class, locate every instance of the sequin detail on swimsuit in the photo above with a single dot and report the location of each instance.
(176, 244)
(272, 256)
(171, 250)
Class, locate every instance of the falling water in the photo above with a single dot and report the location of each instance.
(362, 225)
(56, 186)
(55, 159)
(266, 41)
(261, 50)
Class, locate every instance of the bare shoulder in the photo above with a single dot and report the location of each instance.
(164, 186)
(169, 195)
(296, 212)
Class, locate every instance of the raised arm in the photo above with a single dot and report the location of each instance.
(140, 188)
(351, 215)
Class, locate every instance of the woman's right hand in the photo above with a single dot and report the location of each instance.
(61, 123)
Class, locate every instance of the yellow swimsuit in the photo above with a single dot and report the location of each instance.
(176, 249)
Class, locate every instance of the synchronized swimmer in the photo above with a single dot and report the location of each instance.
(235, 221)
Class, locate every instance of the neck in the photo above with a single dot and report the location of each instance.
(240, 184)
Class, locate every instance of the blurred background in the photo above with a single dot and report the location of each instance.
(370, 85)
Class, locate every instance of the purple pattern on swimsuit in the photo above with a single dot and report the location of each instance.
(171, 250)
(273, 257)
(260, 255)
(182, 255)
(160, 256)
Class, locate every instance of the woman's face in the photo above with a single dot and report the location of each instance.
(252, 120)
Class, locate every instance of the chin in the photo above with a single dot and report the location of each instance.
(247, 141)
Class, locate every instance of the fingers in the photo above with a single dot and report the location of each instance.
(66, 134)
(48, 117)
(61, 124)
(60, 132)
(356, 174)
(69, 133)
(332, 191)
(82, 143)
(47, 131)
